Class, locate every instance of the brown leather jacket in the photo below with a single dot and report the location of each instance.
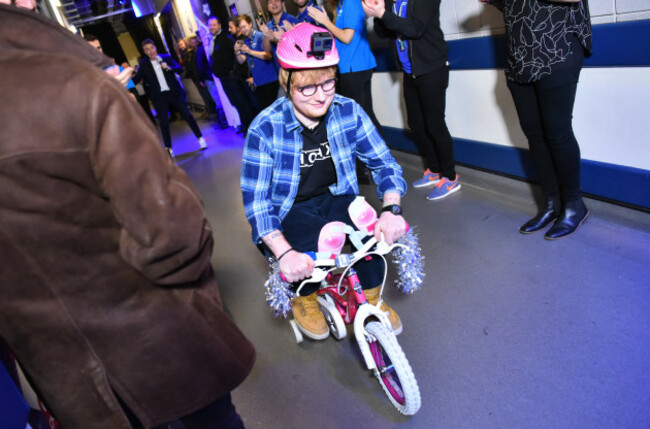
(106, 287)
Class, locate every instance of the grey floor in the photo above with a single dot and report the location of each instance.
(509, 330)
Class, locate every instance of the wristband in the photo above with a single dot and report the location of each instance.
(285, 252)
(395, 209)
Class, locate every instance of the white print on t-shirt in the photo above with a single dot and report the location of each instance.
(309, 157)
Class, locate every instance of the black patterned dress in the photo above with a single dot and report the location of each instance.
(543, 37)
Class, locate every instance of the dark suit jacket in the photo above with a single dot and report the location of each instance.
(222, 59)
(147, 74)
(203, 71)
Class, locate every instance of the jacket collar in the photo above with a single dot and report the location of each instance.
(24, 30)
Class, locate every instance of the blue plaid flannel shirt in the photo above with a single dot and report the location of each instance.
(270, 172)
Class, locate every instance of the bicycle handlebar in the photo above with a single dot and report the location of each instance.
(406, 255)
(326, 259)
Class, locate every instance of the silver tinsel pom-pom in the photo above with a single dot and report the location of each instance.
(410, 263)
(278, 292)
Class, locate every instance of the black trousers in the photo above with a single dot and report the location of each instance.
(358, 86)
(267, 94)
(238, 99)
(220, 414)
(545, 110)
(301, 227)
(143, 101)
(163, 104)
(210, 105)
(425, 98)
(250, 96)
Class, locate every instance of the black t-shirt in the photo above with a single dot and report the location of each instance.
(317, 171)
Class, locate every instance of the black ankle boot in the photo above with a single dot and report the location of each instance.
(575, 214)
(543, 218)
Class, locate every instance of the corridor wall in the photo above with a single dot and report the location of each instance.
(611, 115)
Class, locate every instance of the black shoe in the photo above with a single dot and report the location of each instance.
(575, 214)
(543, 218)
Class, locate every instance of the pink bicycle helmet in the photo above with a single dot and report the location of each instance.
(307, 46)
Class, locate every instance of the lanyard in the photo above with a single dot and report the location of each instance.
(399, 8)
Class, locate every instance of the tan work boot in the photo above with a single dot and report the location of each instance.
(373, 298)
(309, 317)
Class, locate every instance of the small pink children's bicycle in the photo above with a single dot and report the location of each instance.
(343, 302)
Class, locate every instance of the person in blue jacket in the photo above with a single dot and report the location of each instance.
(303, 14)
(275, 27)
(260, 61)
(356, 62)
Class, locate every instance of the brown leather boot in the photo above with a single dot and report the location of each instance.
(373, 298)
(309, 317)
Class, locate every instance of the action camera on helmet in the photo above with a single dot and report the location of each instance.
(321, 43)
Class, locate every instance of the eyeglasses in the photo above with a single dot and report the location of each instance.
(310, 90)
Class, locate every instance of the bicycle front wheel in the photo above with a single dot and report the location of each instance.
(393, 370)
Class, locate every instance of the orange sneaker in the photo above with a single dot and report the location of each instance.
(428, 179)
(444, 188)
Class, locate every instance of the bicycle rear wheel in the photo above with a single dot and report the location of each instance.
(393, 370)
(332, 316)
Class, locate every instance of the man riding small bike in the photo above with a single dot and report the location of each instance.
(299, 171)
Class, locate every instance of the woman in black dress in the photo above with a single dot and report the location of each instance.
(547, 42)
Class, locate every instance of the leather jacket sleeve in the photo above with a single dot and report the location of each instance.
(164, 233)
